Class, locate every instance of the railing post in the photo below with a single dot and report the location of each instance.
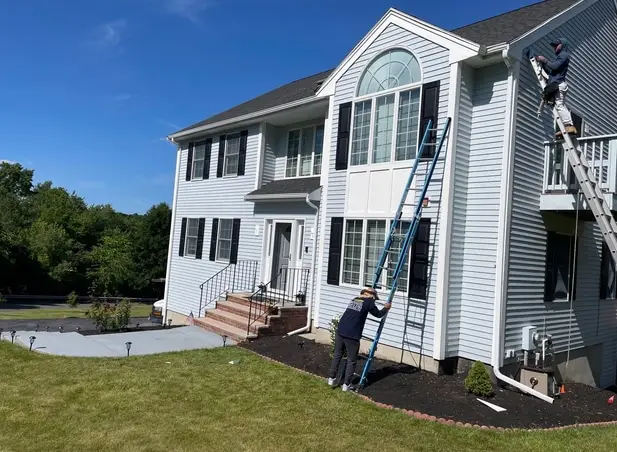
(547, 166)
(201, 297)
(233, 280)
(612, 165)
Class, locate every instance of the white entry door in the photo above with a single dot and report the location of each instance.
(281, 253)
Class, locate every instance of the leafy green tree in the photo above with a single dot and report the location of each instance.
(112, 264)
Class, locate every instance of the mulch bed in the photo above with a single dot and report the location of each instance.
(444, 396)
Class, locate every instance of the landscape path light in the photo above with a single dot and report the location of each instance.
(32, 339)
(128, 348)
(13, 336)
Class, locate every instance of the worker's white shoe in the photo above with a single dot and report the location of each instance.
(330, 381)
(345, 388)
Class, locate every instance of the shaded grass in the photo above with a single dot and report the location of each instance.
(196, 400)
(137, 310)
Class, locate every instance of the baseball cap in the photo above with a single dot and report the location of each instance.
(371, 291)
(555, 42)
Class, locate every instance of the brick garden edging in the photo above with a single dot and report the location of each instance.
(427, 417)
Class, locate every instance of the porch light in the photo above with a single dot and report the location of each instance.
(32, 339)
(300, 299)
(128, 348)
(13, 336)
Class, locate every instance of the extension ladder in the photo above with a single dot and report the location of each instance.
(409, 236)
(583, 171)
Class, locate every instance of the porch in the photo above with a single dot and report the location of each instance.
(560, 187)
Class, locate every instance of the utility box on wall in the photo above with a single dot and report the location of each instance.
(528, 334)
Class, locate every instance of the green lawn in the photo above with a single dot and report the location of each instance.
(138, 310)
(197, 401)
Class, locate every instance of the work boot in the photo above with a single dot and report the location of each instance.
(570, 130)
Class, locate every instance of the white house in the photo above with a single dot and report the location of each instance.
(303, 181)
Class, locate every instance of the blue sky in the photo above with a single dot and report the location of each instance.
(89, 89)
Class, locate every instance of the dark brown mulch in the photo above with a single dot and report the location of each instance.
(444, 396)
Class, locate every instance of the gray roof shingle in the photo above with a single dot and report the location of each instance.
(509, 26)
(304, 185)
(495, 30)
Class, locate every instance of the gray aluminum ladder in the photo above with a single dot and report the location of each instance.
(583, 172)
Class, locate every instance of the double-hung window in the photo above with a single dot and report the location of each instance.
(386, 112)
(199, 158)
(223, 248)
(192, 229)
(232, 152)
(304, 151)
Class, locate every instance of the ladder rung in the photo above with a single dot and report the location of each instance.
(366, 338)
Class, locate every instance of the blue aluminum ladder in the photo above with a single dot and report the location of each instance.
(409, 236)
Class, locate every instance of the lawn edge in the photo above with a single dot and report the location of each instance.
(426, 417)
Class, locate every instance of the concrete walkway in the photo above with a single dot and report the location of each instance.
(114, 345)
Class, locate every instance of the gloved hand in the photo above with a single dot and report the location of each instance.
(541, 59)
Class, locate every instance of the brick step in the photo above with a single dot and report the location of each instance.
(214, 326)
(230, 318)
(234, 308)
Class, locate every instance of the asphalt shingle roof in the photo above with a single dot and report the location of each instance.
(290, 186)
(495, 30)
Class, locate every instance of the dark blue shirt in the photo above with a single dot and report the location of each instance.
(352, 322)
(557, 69)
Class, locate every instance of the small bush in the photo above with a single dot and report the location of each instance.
(102, 314)
(123, 314)
(478, 381)
(2, 299)
(72, 300)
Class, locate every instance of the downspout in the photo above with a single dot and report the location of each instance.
(501, 270)
(309, 313)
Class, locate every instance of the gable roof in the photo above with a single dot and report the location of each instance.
(499, 29)
(509, 26)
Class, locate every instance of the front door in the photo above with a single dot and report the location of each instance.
(281, 255)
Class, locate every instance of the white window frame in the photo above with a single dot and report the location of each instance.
(218, 240)
(314, 127)
(226, 155)
(384, 276)
(195, 146)
(187, 237)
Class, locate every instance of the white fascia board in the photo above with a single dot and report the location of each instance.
(460, 49)
(445, 228)
(522, 42)
(240, 120)
(261, 155)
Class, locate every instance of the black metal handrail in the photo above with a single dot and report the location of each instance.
(288, 286)
(241, 276)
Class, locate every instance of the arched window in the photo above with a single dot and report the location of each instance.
(386, 119)
(389, 70)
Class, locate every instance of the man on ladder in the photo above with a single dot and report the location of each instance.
(556, 85)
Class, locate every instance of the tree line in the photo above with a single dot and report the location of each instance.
(53, 243)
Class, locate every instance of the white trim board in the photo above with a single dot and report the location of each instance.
(460, 49)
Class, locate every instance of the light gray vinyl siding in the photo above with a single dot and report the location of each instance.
(593, 93)
(269, 156)
(410, 324)
(212, 198)
(476, 212)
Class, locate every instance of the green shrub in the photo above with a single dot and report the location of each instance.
(123, 314)
(72, 300)
(2, 299)
(478, 381)
(102, 314)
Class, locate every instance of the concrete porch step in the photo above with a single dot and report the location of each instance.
(216, 326)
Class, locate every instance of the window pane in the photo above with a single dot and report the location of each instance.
(223, 251)
(394, 256)
(191, 246)
(318, 150)
(199, 153)
(352, 252)
(225, 227)
(382, 133)
(293, 146)
(306, 157)
(391, 69)
(231, 154)
(375, 240)
(198, 168)
(361, 131)
(192, 227)
(407, 125)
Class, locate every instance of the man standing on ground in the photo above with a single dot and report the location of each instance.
(349, 332)
(556, 85)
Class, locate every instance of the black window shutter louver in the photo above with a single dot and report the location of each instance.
(207, 158)
(242, 152)
(200, 238)
(343, 135)
(418, 277)
(235, 241)
(334, 254)
(429, 112)
(213, 237)
(189, 162)
(182, 237)
(221, 158)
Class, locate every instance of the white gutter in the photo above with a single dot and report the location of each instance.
(505, 211)
(309, 314)
(171, 234)
(247, 117)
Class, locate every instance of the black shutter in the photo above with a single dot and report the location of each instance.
(221, 159)
(418, 278)
(334, 255)
(206, 174)
(182, 237)
(189, 162)
(429, 112)
(343, 134)
(242, 152)
(213, 237)
(235, 240)
(549, 272)
(200, 238)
